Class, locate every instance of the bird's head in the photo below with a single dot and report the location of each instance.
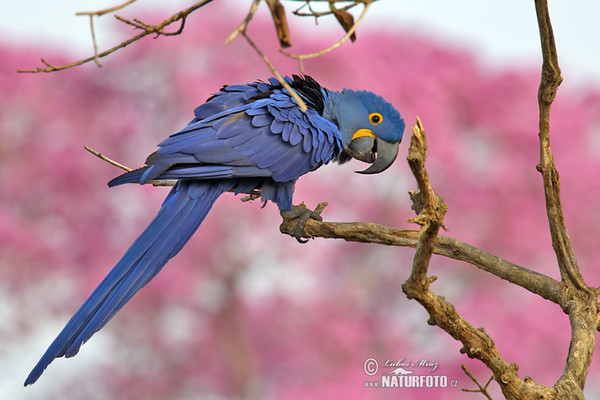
(371, 128)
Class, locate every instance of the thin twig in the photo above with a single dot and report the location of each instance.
(94, 42)
(318, 14)
(482, 389)
(99, 13)
(108, 160)
(147, 30)
(127, 169)
(253, 195)
(277, 75)
(312, 12)
(302, 57)
(242, 27)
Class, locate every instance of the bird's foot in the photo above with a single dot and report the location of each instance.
(302, 214)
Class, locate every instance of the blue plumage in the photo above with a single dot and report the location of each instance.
(244, 138)
(180, 215)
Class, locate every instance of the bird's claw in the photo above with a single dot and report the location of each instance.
(303, 214)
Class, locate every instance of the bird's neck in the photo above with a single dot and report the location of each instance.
(330, 111)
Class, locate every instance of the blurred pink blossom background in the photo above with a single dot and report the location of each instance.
(243, 311)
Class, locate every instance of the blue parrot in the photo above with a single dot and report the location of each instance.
(249, 138)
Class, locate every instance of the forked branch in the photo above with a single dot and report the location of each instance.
(349, 33)
(581, 301)
(147, 29)
(550, 80)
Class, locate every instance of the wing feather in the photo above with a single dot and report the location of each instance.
(270, 136)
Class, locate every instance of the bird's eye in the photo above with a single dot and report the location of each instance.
(375, 118)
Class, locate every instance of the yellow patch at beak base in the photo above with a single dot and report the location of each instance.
(363, 133)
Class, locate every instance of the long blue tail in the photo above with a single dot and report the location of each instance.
(179, 217)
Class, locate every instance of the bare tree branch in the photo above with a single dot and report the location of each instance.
(349, 33)
(582, 304)
(125, 168)
(430, 209)
(91, 15)
(242, 27)
(482, 389)
(476, 342)
(317, 14)
(108, 160)
(277, 75)
(549, 83)
(94, 43)
(280, 21)
(365, 232)
(100, 13)
(277, 13)
(147, 29)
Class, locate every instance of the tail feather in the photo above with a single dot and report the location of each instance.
(181, 214)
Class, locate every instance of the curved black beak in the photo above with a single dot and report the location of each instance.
(361, 148)
(386, 155)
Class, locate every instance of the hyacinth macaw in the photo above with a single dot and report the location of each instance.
(245, 138)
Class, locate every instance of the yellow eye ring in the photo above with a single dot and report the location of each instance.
(375, 118)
